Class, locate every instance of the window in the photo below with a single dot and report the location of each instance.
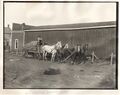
(16, 43)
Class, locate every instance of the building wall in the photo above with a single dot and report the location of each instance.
(7, 41)
(49, 36)
(18, 36)
(101, 40)
(7, 37)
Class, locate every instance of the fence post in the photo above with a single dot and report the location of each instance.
(111, 58)
(16, 51)
(92, 56)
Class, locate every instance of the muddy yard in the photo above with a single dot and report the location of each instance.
(23, 72)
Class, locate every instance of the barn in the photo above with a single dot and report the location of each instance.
(100, 36)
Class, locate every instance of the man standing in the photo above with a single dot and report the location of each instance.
(77, 53)
(39, 44)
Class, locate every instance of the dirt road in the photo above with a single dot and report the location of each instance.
(23, 72)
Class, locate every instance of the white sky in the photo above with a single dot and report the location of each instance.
(58, 13)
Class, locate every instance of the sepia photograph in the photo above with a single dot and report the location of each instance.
(60, 45)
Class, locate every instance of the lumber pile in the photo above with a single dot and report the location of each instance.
(30, 45)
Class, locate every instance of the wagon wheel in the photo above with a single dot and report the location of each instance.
(36, 55)
(25, 53)
(39, 56)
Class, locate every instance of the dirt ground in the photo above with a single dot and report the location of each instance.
(23, 72)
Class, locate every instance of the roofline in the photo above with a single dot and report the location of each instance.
(93, 27)
(8, 32)
(18, 31)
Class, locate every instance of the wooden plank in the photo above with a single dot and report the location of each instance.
(69, 56)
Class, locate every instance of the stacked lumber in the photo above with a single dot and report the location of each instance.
(30, 45)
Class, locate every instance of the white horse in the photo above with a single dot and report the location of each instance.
(51, 49)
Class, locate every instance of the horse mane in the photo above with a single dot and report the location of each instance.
(63, 46)
(45, 43)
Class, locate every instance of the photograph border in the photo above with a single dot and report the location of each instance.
(117, 22)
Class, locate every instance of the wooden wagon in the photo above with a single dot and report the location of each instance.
(30, 50)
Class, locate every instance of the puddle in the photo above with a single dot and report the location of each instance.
(81, 70)
(97, 71)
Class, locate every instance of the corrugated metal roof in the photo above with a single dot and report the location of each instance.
(76, 25)
(19, 27)
(90, 27)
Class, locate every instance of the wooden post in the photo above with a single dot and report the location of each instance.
(94, 56)
(16, 51)
(111, 58)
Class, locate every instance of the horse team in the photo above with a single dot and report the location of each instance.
(61, 53)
